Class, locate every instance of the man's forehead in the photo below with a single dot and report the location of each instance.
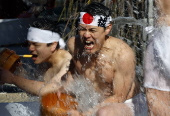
(32, 42)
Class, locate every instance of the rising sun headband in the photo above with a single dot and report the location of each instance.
(98, 20)
(44, 36)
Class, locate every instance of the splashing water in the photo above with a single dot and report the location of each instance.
(163, 54)
(86, 96)
(28, 71)
(21, 110)
(158, 60)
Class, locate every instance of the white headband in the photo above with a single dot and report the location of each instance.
(98, 20)
(44, 36)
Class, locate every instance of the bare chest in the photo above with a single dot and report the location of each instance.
(100, 73)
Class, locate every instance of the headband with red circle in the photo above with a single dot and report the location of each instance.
(97, 20)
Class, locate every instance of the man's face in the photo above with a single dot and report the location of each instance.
(92, 37)
(40, 51)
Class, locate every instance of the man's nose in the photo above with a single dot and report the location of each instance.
(87, 34)
(31, 47)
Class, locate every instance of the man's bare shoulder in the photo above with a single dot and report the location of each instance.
(70, 40)
(70, 44)
(118, 45)
(121, 50)
(65, 54)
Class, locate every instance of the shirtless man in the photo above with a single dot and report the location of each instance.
(46, 45)
(108, 62)
(157, 64)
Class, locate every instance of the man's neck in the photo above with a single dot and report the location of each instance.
(55, 57)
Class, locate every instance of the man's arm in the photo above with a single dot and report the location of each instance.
(55, 83)
(158, 102)
(30, 86)
(122, 81)
(71, 44)
(124, 78)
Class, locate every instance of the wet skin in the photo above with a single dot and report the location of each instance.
(107, 61)
(41, 53)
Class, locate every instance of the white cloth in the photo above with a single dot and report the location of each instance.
(97, 20)
(157, 60)
(138, 105)
(44, 36)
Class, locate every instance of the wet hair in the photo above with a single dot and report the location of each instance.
(46, 24)
(96, 8)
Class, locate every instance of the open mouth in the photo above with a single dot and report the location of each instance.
(89, 45)
(34, 56)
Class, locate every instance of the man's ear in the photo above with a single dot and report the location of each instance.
(54, 46)
(108, 29)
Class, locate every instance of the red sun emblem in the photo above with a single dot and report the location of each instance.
(87, 18)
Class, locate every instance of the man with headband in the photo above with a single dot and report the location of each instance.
(45, 45)
(108, 62)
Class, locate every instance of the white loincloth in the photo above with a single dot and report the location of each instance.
(157, 60)
(138, 105)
